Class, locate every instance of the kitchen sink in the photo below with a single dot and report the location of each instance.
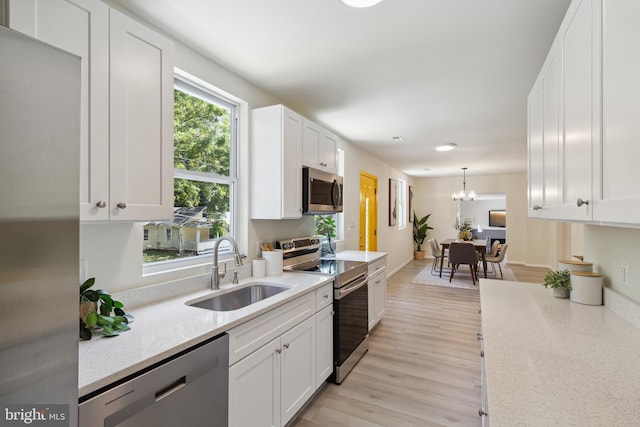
(242, 297)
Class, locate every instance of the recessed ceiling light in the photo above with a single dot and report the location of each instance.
(446, 147)
(361, 3)
(397, 138)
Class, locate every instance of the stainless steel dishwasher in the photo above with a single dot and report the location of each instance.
(189, 389)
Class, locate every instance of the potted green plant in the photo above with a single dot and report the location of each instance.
(420, 230)
(326, 225)
(559, 281)
(100, 313)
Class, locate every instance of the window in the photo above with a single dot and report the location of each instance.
(205, 176)
(402, 204)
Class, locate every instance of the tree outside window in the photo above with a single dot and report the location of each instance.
(204, 183)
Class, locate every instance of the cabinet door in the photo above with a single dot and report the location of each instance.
(579, 91)
(618, 199)
(291, 169)
(311, 140)
(544, 139)
(324, 345)
(380, 291)
(141, 122)
(276, 163)
(82, 28)
(328, 155)
(297, 368)
(254, 388)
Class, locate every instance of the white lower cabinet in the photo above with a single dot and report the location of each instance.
(324, 345)
(377, 283)
(270, 382)
(254, 388)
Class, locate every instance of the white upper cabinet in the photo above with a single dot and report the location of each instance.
(276, 163)
(564, 128)
(319, 148)
(580, 90)
(616, 190)
(544, 138)
(141, 127)
(126, 151)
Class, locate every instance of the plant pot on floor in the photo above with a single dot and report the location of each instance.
(419, 254)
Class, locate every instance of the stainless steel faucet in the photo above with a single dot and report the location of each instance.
(215, 274)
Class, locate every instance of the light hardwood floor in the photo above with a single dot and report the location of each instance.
(423, 363)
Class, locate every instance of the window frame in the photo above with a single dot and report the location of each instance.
(200, 89)
(402, 204)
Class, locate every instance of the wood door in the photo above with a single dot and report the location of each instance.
(368, 212)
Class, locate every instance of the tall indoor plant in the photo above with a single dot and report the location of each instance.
(420, 230)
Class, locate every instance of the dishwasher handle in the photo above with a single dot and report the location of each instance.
(171, 388)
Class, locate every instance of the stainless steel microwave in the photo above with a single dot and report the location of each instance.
(321, 192)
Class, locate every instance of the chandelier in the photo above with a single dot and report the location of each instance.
(463, 195)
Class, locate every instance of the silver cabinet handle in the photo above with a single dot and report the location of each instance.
(537, 207)
(278, 350)
(101, 204)
(285, 345)
(581, 202)
(481, 353)
(482, 412)
(479, 336)
(122, 205)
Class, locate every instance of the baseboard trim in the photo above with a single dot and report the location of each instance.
(623, 306)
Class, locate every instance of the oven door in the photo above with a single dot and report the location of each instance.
(350, 327)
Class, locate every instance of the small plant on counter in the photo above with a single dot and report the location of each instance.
(100, 314)
(559, 281)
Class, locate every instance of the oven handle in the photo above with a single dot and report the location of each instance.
(346, 290)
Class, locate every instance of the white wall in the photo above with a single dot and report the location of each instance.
(607, 248)
(528, 239)
(113, 252)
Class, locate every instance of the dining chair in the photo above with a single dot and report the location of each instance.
(437, 255)
(463, 254)
(497, 260)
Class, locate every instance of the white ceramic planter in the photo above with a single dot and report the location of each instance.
(586, 288)
(574, 265)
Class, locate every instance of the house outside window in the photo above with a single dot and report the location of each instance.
(205, 176)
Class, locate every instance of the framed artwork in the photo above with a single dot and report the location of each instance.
(393, 202)
(410, 203)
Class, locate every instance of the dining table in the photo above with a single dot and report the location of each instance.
(479, 244)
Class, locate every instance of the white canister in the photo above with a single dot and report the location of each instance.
(574, 265)
(586, 287)
(259, 267)
(274, 262)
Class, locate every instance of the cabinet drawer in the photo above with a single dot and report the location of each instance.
(250, 336)
(377, 266)
(324, 296)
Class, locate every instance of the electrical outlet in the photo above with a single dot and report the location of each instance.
(624, 268)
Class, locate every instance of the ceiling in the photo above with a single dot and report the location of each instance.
(430, 71)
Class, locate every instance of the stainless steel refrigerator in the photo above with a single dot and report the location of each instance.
(39, 230)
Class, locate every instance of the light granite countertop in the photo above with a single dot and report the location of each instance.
(364, 256)
(165, 328)
(553, 362)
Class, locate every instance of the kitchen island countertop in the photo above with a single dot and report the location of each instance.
(553, 362)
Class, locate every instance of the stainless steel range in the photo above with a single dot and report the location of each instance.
(350, 299)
